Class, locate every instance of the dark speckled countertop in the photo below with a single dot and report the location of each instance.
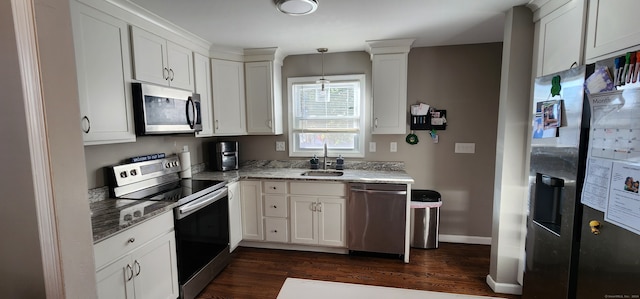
(108, 215)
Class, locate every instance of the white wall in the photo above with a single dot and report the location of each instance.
(511, 153)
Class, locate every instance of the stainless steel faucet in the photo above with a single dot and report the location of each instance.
(324, 160)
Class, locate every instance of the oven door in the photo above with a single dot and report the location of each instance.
(202, 233)
(163, 110)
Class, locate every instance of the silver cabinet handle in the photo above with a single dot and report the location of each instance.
(138, 266)
(165, 76)
(379, 191)
(88, 124)
(274, 231)
(131, 240)
(313, 206)
(130, 272)
(375, 123)
(216, 124)
(274, 206)
(319, 207)
(270, 124)
(172, 74)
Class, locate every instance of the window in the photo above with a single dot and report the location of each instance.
(334, 116)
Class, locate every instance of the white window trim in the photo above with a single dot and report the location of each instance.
(333, 153)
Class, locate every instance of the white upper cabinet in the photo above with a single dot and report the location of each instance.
(263, 86)
(389, 85)
(229, 115)
(160, 61)
(202, 78)
(104, 74)
(559, 37)
(613, 27)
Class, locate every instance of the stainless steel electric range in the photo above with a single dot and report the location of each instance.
(201, 216)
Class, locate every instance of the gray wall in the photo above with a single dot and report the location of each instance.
(464, 80)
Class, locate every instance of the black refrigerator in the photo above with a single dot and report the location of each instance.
(565, 258)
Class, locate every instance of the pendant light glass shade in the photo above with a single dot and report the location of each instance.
(297, 7)
(322, 81)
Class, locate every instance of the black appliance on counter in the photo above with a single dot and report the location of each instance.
(201, 217)
(224, 156)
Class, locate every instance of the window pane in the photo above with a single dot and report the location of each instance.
(315, 141)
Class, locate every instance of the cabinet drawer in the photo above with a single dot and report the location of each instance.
(275, 206)
(276, 229)
(323, 189)
(275, 187)
(109, 249)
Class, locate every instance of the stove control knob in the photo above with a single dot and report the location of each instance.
(123, 174)
(167, 165)
(133, 172)
(128, 217)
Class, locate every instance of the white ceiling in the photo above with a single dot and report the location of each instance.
(340, 25)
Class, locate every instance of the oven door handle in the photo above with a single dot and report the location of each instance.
(197, 204)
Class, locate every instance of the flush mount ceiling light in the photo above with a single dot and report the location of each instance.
(297, 7)
(322, 80)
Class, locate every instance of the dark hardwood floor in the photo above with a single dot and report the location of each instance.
(259, 273)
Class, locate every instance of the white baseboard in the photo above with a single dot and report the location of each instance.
(504, 288)
(465, 239)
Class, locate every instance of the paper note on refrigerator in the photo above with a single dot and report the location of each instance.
(623, 208)
(613, 157)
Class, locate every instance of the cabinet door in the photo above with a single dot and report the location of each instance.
(180, 63)
(303, 220)
(202, 79)
(559, 38)
(228, 97)
(612, 26)
(104, 71)
(389, 94)
(331, 221)
(235, 215)
(252, 227)
(115, 281)
(155, 269)
(263, 102)
(149, 57)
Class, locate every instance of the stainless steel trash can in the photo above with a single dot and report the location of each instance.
(425, 218)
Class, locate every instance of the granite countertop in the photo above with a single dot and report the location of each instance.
(362, 172)
(107, 216)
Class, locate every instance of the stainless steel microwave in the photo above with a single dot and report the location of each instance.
(165, 110)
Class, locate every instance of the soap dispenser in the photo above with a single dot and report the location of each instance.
(340, 163)
(314, 162)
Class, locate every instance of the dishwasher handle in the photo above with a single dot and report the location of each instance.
(398, 192)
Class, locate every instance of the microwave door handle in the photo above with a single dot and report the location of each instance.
(191, 104)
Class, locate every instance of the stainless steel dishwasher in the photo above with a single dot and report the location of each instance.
(377, 215)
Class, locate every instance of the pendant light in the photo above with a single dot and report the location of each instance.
(322, 80)
(297, 7)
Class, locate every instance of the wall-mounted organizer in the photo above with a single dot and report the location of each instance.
(435, 120)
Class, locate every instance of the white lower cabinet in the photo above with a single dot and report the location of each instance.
(252, 228)
(147, 270)
(235, 215)
(318, 220)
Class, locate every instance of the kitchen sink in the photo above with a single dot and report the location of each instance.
(322, 173)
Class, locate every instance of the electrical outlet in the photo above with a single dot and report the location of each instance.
(465, 148)
(393, 147)
(279, 146)
(372, 147)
